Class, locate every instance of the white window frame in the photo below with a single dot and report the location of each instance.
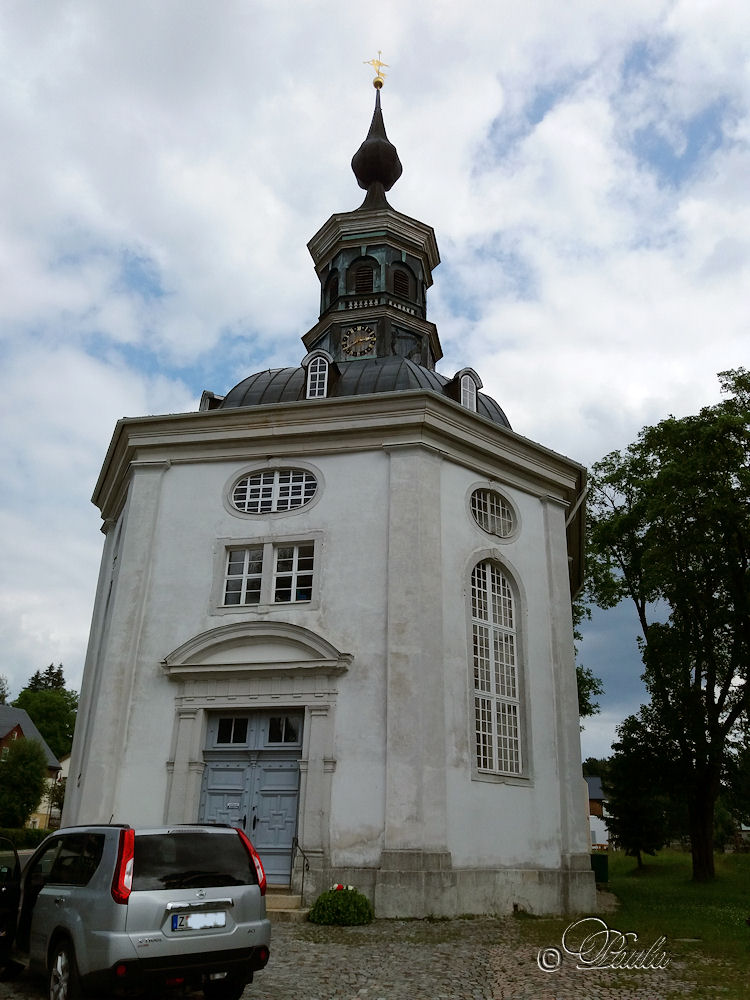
(317, 378)
(262, 579)
(469, 393)
(496, 671)
(493, 512)
(278, 491)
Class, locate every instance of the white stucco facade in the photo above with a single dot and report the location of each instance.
(372, 675)
(378, 663)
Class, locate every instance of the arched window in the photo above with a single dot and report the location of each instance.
(401, 284)
(469, 393)
(497, 699)
(332, 289)
(317, 378)
(363, 279)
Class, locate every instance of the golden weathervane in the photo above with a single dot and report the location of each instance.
(377, 65)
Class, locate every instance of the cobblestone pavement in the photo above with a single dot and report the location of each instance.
(481, 959)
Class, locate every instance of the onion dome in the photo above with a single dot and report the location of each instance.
(376, 164)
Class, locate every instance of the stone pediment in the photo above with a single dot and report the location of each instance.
(255, 648)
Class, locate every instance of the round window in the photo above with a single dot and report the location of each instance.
(493, 512)
(273, 490)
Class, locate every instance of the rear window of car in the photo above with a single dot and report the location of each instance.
(188, 859)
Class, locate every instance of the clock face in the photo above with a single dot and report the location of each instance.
(358, 341)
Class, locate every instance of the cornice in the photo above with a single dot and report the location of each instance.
(382, 225)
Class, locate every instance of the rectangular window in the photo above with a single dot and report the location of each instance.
(269, 573)
(232, 730)
(293, 573)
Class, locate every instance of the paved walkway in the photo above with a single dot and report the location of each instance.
(482, 959)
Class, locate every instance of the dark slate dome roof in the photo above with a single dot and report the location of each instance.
(357, 378)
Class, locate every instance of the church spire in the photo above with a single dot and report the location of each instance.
(376, 164)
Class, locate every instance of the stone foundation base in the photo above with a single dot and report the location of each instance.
(425, 883)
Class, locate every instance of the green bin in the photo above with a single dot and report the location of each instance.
(600, 867)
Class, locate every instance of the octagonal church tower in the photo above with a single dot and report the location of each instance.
(334, 609)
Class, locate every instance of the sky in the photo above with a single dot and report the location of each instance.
(584, 164)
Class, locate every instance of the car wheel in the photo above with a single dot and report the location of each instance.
(230, 988)
(63, 973)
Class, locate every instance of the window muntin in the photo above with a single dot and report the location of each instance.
(469, 393)
(492, 512)
(293, 572)
(495, 672)
(269, 574)
(274, 490)
(244, 576)
(317, 379)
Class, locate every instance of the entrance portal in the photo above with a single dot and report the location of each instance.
(252, 781)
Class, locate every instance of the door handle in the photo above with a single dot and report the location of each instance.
(255, 820)
(244, 821)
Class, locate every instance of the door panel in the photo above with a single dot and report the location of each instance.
(274, 813)
(225, 798)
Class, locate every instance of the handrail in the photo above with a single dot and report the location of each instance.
(296, 846)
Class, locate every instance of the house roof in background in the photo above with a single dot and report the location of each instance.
(11, 717)
(595, 789)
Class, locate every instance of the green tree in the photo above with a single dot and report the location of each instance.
(53, 712)
(670, 531)
(638, 817)
(23, 779)
(52, 679)
(56, 794)
(4, 690)
(589, 686)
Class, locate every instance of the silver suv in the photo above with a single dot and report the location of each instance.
(118, 911)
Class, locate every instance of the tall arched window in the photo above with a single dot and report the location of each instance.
(497, 698)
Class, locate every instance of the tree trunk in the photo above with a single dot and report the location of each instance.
(701, 814)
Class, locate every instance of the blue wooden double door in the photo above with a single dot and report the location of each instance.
(251, 780)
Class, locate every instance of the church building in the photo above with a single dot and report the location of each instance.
(334, 608)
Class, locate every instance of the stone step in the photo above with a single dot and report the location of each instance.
(282, 906)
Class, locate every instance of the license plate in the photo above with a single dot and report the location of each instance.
(197, 921)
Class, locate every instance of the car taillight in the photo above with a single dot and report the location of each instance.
(256, 860)
(122, 881)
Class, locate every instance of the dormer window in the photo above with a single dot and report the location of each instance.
(319, 369)
(469, 393)
(317, 378)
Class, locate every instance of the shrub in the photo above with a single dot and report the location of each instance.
(23, 837)
(341, 906)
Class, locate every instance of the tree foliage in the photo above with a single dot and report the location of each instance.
(4, 689)
(51, 707)
(589, 686)
(638, 816)
(23, 778)
(670, 531)
(52, 679)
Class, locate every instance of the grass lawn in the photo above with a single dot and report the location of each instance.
(706, 925)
